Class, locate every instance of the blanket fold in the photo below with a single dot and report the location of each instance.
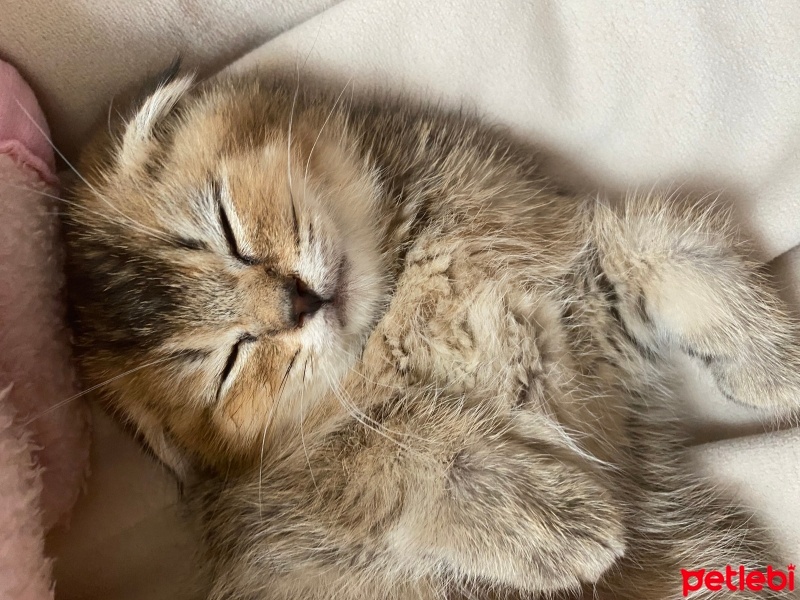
(44, 434)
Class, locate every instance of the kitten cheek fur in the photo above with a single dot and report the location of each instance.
(490, 420)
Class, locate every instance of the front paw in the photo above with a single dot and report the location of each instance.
(527, 519)
(772, 389)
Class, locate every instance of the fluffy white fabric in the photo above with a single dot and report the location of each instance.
(632, 93)
(77, 55)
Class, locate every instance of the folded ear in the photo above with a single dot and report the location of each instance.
(140, 131)
(166, 450)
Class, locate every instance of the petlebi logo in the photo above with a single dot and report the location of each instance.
(738, 579)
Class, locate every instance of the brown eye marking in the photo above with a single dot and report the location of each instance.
(245, 338)
(227, 230)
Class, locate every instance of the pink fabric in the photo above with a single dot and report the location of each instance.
(24, 572)
(43, 444)
(24, 136)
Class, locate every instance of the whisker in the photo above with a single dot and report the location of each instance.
(66, 401)
(302, 434)
(71, 203)
(6, 391)
(278, 399)
(363, 419)
(141, 228)
(321, 129)
(377, 424)
(108, 117)
(291, 122)
(289, 182)
(289, 136)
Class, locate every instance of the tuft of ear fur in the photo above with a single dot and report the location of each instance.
(139, 131)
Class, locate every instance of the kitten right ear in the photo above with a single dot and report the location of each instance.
(140, 130)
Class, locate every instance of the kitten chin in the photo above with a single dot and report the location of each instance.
(389, 357)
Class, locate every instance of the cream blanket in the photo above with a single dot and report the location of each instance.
(630, 93)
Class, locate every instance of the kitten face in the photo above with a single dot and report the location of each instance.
(231, 263)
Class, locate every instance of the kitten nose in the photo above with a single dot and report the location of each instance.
(305, 302)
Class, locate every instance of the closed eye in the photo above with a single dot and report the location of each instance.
(225, 223)
(231, 362)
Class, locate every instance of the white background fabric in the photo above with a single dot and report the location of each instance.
(631, 93)
(77, 55)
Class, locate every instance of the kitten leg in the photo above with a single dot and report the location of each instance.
(419, 489)
(511, 514)
(677, 277)
(681, 526)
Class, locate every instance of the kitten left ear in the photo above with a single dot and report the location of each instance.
(168, 452)
(140, 130)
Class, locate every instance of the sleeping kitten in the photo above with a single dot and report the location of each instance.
(389, 359)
